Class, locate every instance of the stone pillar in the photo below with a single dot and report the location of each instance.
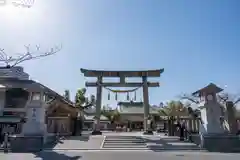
(146, 106)
(2, 100)
(98, 108)
(35, 112)
(190, 125)
(231, 118)
(198, 124)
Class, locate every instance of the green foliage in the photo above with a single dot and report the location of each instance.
(82, 101)
(113, 116)
(80, 98)
(67, 95)
(174, 108)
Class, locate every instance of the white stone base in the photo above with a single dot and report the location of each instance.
(34, 128)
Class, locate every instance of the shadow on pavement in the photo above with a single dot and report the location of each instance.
(51, 145)
(174, 144)
(80, 138)
(170, 144)
(54, 155)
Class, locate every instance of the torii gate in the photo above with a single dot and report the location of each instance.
(100, 74)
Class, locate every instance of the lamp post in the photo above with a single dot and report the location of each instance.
(149, 129)
(149, 124)
(95, 124)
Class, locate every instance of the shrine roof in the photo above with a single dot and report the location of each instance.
(92, 117)
(31, 85)
(130, 104)
(134, 108)
(209, 88)
(104, 73)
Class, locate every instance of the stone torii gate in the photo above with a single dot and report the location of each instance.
(122, 75)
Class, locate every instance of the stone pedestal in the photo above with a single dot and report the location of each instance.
(26, 143)
(35, 121)
(221, 142)
(34, 131)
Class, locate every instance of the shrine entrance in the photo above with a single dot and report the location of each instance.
(122, 75)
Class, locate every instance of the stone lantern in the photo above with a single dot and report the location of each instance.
(210, 109)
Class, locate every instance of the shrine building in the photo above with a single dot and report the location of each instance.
(29, 107)
(132, 114)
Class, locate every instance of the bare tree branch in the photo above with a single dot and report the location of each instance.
(223, 97)
(28, 3)
(29, 55)
(237, 101)
(190, 98)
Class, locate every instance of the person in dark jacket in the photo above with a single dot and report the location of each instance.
(181, 127)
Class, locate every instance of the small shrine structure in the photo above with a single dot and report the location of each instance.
(30, 111)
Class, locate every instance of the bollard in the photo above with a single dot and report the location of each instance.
(202, 141)
(5, 143)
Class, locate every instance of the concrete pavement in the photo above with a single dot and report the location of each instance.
(122, 141)
(119, 155)
(78, 142)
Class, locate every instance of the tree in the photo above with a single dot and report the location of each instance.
(224, 97)
(191, 98)
(82, 101)
(112, 116)
(67, 94)
(194, 113)
(174, 108)
(21, 3)
(11, 61)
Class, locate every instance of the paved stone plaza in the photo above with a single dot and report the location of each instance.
(119, 155)
(88, 147)
(122, 141)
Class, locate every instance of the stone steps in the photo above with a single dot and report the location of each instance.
(124, 142)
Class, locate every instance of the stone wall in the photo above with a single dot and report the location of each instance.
(26, 143)
(222, 143)
(30, 143)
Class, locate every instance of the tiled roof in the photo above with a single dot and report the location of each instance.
(135, 108)
(91, 117)
(31, 84)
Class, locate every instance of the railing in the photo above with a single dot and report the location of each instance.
(226, 126)
(187, 135)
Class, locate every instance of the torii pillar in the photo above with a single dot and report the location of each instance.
(147, 129)
(96, 130)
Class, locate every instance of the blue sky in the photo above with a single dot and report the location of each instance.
(196, 42)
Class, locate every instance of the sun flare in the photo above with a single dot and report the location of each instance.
(11, 10)
(14, 14)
